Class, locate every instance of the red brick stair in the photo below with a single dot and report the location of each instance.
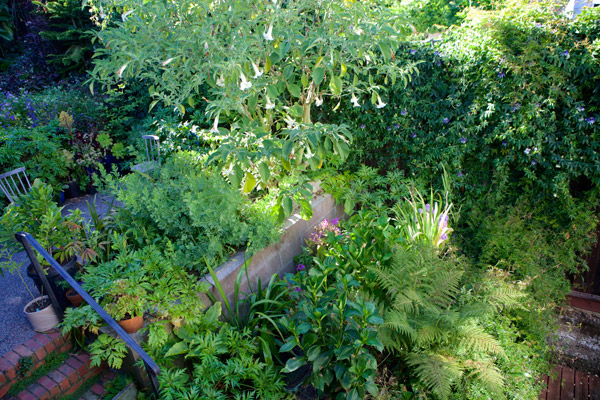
(63, 380)
(34, 351)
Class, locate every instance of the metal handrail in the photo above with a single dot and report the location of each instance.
(28, 242)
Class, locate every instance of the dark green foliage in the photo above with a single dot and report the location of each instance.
(508, 100)
(40, 150)
(70, 30)
(335, 329)
(222, 364)
(198, 212)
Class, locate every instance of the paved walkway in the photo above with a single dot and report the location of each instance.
(14, 326)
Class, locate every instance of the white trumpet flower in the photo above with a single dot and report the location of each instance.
(244, 84)
(380, 104)
(215, 128)
(221, 81)
(268, 35)
(257, 72)
(319, 101)
(269, 105)
(354, 101)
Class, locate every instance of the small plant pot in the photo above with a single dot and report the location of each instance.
(41, 319)
(74, 297)
(132, 325)
(53, 278)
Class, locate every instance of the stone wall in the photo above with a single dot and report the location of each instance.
(277, 258)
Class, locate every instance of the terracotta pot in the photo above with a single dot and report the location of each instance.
(74, 297)
(44, 319)
(132, 325)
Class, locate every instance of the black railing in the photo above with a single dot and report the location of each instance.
(29, 243)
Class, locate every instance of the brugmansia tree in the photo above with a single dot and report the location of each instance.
(258, 68)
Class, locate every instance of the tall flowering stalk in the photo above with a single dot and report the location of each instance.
(425, 221)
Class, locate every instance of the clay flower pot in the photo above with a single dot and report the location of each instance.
(132, 325)
(41, 319)
(74, 297)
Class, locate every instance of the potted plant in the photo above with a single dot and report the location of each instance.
(63, 237)
(41, 313)
(126, 302)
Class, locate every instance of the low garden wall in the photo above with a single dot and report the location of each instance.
(277, 258)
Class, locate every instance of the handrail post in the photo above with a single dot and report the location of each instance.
(38, 269)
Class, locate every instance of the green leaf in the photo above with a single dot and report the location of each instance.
(264, 171)
(177, 348)
(313, 352)
(288, 205)
(321, 361)
(293, 364)
(385, 50)
(237, 176)
(318, 75)
(294, 90)
(250, 183)
(336, 85)
(289, 345)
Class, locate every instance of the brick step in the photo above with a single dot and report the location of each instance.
(26, 358)
(99, 389)
(65, 379)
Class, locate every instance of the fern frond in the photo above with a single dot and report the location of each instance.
(437, 372)
(488, 376)
(473, 337)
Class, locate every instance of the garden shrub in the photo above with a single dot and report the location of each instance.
(40, 150)
(195, 210)
(70, 30)
(506, 100)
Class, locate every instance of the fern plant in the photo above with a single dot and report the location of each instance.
(437, 335)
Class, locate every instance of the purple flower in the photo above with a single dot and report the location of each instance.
(403, 112)
(460, 174)
(420, 211)
(297, 289)
(516, 107)
(300, 267)
(581, 108)
(527, 151)
(501, 74)
(436, 53)
(443, 221)
(438, 63)
(427, 207)
(463, 140)
(538, 25)
(362, 126)
(397, 126)
(414, 135)
(590, 120)
(444, 237)
(335, 221)
(446, 120)
(413, 51)
(504, 143)
(533, 162)
(389, 128)
(566, 53)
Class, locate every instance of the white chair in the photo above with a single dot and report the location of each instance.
(152, 144)
(14, 183)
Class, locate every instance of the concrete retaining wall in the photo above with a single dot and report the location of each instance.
(277, 258)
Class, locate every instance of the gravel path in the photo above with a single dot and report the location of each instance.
(14, 326)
